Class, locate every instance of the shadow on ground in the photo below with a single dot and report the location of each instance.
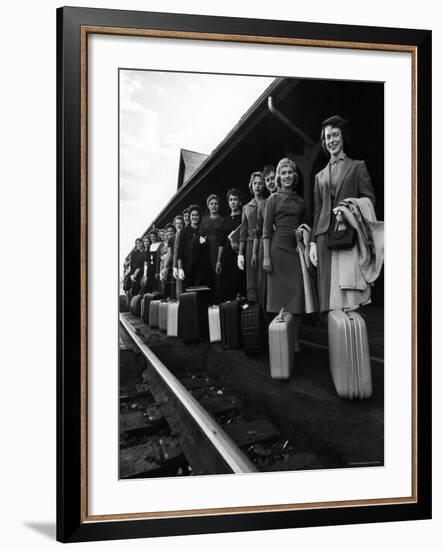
(46, 529)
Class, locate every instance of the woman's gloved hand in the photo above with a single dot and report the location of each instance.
(175, 272)
(338, 214)
(241, 262)
(181, 274)
(313, 254)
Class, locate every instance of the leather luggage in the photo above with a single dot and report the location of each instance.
(127, 282)
(147, 299)
(163, 317)
(253, 328)
(349, 358)
(193, 314)
(172, 326)
(135, 306)
(282, 345)
(214, 324)
(154, 313)
(230, 324)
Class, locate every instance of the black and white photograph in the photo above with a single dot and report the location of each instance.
(251, 283)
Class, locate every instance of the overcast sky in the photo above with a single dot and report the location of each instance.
(160, 113)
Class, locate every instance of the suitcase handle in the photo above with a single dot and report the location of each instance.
(280, 316)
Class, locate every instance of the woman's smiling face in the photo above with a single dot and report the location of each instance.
(333, 140)
(194, 216)
(287, 176)
(270, 181)
(213, 206)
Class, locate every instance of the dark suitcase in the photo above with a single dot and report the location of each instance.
(163, 317)
(349, 359)
(154, 313)
(127, 282)
(253, 328)
(147, 299)
(230, 324)
(193, 314)
(136, 302)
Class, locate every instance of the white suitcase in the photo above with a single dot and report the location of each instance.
(172, 328)
(282, 345)
(349, 358)
(214, 324)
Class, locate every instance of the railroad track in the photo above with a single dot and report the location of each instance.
(186, 423)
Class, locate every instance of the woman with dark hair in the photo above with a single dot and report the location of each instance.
(269, 178)
(257, 250)
(136, 266)
(185, 215)
(193, 265)
(342, 178)
(248, 225)
(211, 229)
(152, 274)
(285, 211)
(233, 280)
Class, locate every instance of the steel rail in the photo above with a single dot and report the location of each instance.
(235, 459)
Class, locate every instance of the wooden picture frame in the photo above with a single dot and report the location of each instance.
(74, 523)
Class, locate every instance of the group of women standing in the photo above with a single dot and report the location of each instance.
(253, 251)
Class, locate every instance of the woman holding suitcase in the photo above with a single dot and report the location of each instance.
(284, 212)
(342, 178)
(248, 226)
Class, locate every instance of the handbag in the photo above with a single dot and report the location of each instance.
(341, 239)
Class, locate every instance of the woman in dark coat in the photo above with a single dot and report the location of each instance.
(136, 267)
(211, 229)
(193, 265)
(342, 178)
(285, 211)
(233, 280)
(152, 276)
(248, 226)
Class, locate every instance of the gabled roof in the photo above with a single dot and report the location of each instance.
(190, 161)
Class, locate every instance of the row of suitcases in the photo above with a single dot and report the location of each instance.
(239, 324)
(236, 323)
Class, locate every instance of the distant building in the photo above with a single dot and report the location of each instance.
(190, 162)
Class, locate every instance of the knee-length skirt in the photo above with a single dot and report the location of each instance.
(285, 283)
